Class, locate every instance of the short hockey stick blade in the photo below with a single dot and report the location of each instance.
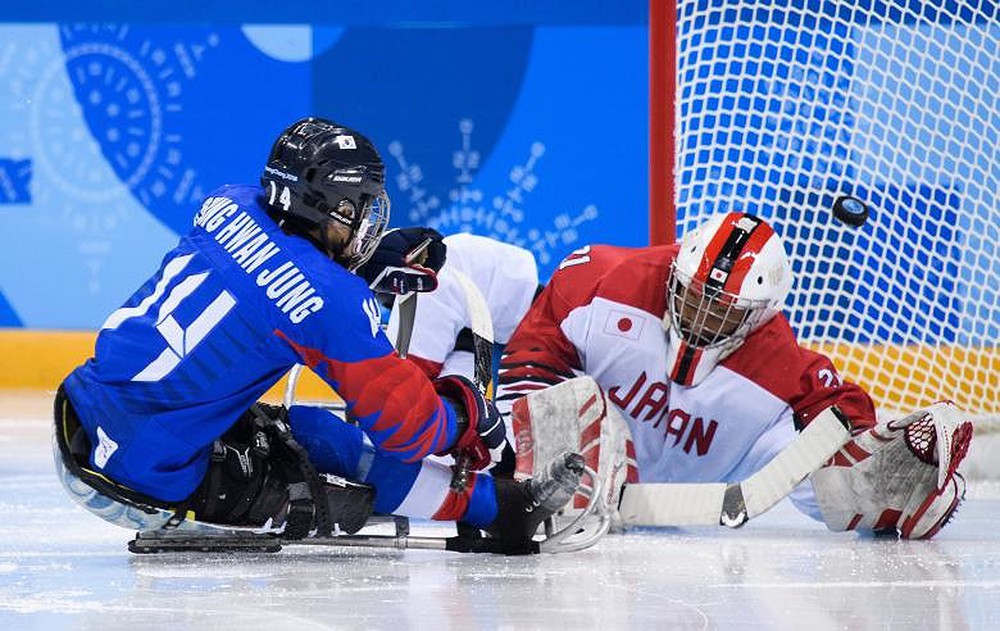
(407, 316)
(481, 323)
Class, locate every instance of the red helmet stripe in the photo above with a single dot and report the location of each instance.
(741, 267)
(714, 249)
(733, 243)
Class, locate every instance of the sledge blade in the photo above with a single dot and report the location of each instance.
(152, 543)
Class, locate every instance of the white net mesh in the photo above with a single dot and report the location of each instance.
(784, 105)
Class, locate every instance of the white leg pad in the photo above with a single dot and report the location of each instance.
(575, 416)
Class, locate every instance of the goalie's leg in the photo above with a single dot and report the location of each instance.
(577, 416)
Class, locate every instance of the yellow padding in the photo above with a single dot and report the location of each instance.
(911, 377)
(40, 360)
(904, 378)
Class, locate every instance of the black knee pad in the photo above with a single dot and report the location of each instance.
(244, 485)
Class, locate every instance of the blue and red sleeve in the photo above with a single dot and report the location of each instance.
(392, 399)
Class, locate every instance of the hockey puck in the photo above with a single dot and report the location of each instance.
(850, 210)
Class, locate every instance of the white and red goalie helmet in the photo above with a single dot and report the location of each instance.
(730, 276)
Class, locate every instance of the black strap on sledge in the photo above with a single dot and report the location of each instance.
(307, 508)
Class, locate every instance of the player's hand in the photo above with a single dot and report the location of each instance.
(406, 260)
(482, 435)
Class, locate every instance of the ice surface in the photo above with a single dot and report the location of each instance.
(62, 568)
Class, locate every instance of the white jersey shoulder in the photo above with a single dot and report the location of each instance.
(507, 276)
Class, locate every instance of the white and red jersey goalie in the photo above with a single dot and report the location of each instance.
(689, 343)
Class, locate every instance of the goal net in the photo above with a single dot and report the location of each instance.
(781, 106)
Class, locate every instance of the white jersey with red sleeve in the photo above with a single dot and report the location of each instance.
(601, 315)
(507, 276)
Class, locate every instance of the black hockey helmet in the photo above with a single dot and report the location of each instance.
(320, 172)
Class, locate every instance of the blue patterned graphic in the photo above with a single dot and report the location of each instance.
(114, 132)
(15, 175)
(179, 110)
(509, 132)
(7, 315)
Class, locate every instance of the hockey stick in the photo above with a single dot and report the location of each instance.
(407, 303)
(407, 315)
(732, 504)
(481, 324)
(155, 543)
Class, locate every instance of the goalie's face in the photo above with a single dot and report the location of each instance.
(706, 318)
(730, 275)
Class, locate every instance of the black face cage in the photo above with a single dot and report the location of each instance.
(368, 226)
(716, 317)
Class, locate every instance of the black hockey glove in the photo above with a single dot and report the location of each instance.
(481, 432)
(406, 260)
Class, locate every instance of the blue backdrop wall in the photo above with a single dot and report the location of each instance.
(526, 123)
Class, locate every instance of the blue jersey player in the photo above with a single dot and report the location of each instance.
(162, 427)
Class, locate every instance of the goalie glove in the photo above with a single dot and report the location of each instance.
(406, 260)
(481, 432)
(901, 474)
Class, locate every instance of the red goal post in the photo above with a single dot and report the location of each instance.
(662, 80)
(778, 107)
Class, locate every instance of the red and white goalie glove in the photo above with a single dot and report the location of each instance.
(899, 474)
